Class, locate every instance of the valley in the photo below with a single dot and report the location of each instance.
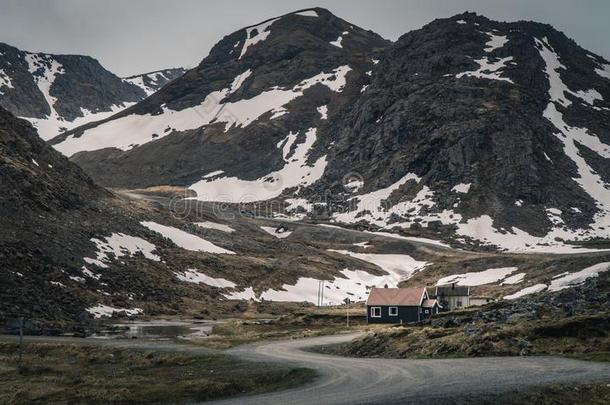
(198, 234)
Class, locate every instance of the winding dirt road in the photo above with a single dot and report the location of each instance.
(346, 380)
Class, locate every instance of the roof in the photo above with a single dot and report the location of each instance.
(396, 296)
(430, 303)
(452, 291)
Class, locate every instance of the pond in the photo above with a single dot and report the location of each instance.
(158, 329)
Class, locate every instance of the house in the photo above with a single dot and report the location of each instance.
(399, 305)
(453, 297)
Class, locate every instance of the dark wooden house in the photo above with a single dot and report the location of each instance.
(399, 305)
(453, 296)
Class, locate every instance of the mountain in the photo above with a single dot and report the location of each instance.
(494, 133)
(153, 81)
(262, 86)
(60, 92)
(485, 134)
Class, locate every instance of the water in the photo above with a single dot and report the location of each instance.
(158, 330)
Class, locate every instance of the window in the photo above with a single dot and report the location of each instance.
(375, 312)
(393, 311)
(426, 311)
(459, 304)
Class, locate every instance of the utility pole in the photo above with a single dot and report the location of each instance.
(347, 303)
(320, 293)
(20, 344)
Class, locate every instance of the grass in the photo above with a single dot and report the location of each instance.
(601, 356)
(237, 332)
(64, 373)
(557, 394)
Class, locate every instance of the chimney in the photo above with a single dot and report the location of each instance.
(453, 286)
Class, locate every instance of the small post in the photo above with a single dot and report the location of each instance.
(347, 303)
(20, 350)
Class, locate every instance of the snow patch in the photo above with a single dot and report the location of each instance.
(461, 188)
(216, 226)
(495, 42)
(101, 310)
(488, 70)
(370, 207)
(411, 238)
(281, 233)
(579, 277)
(213, 174)
(353, 284)
(185, 240)
(478, 278)
(515, 279)
(118, 245)
(307, 13)
(354, 186)
(400, 267)
(337, 42)
(604, 71)
(195, 276)
(256, 34)
(5, 80)
(133, 130)
(323, 110)
(295, 173)
(526, 291)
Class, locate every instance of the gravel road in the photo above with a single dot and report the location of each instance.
(346, 380)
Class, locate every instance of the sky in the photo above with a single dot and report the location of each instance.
(136, 36)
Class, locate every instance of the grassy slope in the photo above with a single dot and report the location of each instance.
(62, 373)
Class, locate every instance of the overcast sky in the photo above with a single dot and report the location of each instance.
(136, 36)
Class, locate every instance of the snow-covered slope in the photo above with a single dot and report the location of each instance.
(153, 81)
(59, 92)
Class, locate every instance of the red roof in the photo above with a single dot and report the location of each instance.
(397, 296)
(430, 303)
